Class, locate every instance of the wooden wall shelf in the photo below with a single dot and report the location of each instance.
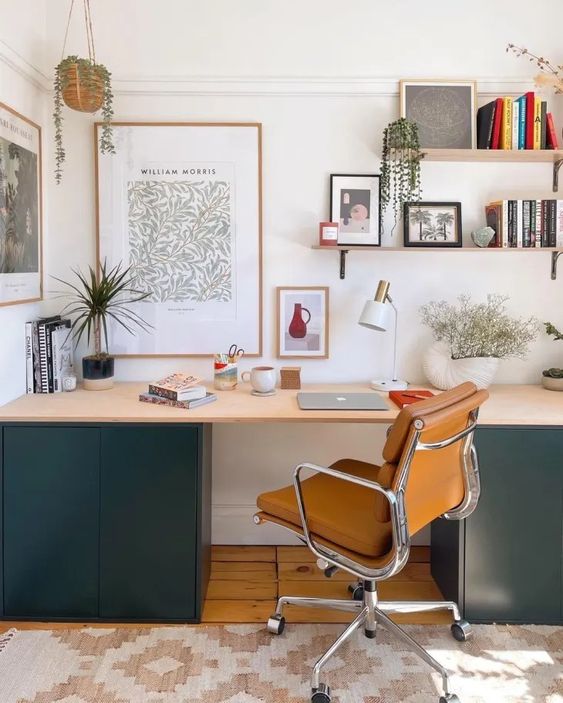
(343, 249)
(502, 155)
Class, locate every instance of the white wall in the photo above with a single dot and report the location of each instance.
(322, 78)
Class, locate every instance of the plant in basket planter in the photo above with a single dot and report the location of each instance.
(552, 379)
(471, 338)
(93, 302)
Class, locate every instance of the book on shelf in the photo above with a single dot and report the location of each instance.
(48, 349)
(506, 124)
(185, 404)
(551, 134)
(537, 123)
(526, 223)
(485, 122)
(178, 386)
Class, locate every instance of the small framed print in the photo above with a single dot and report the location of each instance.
(432, 224)
(302, 322)
(355, 203)
(444, 111)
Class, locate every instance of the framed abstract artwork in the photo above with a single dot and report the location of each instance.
(444, 111)
(20, 209)
(432, 224)
(302, 322)
(355, 205)
(181, 203)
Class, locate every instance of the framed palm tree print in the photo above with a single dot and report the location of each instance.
(180, 203)
(432, 224)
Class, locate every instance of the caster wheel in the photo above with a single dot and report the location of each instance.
(321, 694)
(357, 591)
(449, 698)
(461, 630)
(276, 624)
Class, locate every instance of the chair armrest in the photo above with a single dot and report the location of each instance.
(401, 539)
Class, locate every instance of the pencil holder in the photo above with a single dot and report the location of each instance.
(225, 376)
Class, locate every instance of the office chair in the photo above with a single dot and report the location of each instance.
(360, 517)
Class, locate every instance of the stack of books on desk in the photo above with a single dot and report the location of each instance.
(178, 390)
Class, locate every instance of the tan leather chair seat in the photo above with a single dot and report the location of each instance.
(338, 511)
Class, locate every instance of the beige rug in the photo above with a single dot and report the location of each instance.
(245, 664)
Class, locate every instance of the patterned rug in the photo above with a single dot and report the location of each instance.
(245, 664)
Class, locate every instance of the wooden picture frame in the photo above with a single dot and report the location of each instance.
(432, 224)
(206, 286)
(360, 192)
(297, 338)
(445, 111)
(21, 209)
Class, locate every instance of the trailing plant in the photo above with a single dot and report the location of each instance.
(557, 335)
(95, 300)
(92, 77)
(551, 74)
(400, 165)
(479, 329)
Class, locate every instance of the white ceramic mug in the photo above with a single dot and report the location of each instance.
(262, 378)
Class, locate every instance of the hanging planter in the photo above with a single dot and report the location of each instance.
(85, 86)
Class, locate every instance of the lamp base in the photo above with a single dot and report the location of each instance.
(388, 384)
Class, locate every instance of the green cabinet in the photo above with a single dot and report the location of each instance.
(105, 521)
(504, 563)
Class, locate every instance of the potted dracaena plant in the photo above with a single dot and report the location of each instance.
(93, 302)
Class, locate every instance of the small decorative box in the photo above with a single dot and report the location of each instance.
(290, 377)
(328, 234)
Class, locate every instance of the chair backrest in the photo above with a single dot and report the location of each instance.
(435, 482)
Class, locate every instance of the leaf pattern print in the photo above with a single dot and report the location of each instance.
(180, 240)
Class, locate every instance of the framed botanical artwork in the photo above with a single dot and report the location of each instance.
(181, 203)
(20, 209)
(302, 322)
(432, 224)
(444, 110)
(355, 203)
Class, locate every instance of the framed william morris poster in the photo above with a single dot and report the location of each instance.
(20, 208)
(181, 204)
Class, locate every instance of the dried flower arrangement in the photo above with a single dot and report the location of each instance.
(479, 329)
(551, 75)
(557, 335)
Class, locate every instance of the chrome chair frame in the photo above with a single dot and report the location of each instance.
(371, 611)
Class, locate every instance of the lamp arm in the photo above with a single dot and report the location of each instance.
(394, 377)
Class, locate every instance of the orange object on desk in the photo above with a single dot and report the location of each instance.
(402, 398)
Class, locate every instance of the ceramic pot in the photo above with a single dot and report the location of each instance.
(552, 384)
(443, 372)
(97, 373)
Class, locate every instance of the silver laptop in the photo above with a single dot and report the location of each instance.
(341, 401)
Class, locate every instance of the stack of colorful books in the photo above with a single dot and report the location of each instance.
(178, 390)
(516, 123)
(526, 223)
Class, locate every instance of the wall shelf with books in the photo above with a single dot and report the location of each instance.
(502, 155)
(344, 249)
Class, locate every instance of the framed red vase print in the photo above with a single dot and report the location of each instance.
(302, 322)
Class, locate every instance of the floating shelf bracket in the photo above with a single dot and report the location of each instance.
(554, 256)
(343, 253)
(556, 166)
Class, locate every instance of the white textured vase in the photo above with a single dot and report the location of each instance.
(443, 372)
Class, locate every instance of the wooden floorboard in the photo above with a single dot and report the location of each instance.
(246, 581)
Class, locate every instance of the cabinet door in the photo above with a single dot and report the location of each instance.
(148, 555)
(513, 541)
(51, 521)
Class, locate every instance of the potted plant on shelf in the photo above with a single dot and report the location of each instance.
(471, 338)
(552, 379)
(93, 302)
(400, 165)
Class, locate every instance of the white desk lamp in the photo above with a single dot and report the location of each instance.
(376, 315)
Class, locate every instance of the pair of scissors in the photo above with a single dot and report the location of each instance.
(235, 352)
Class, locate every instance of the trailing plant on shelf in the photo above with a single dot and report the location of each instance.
(85, 86)
(94, 301)
(551, 74)
(471, 338)
(400, 165)
(554, 373)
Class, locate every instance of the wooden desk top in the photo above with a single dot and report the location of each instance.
(508, 405)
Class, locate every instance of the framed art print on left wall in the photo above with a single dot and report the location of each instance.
(20, 209)
(181, 203)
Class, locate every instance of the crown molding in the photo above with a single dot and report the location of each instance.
(255, 86)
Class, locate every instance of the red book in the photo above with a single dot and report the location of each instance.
(402, 398)
(530, 113)
(552, 142)
(495, 140)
